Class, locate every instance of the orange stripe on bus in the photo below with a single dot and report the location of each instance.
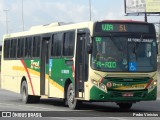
(38, 74)
(22, 61)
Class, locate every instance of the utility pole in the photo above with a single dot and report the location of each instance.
(90, 11)
(145, 17)
(157, 24)
(159, 32)
(6, 11)
(158, 35)
(22, 17)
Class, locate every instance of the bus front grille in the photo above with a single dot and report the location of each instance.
(115, 94)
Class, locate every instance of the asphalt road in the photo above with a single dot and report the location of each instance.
(10, 101)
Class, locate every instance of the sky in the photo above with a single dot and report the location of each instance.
(40, 12)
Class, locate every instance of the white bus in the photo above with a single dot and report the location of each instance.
(114, 61)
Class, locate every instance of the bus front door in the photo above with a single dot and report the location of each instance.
(81, 65)
(44, 71)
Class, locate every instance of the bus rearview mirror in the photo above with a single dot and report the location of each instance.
(89, 48)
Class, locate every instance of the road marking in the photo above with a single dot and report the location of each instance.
(40, 107)
(149, 107)
(116, 118)
(63, 118)
(10, 107)
(92, 115)
(29, 107)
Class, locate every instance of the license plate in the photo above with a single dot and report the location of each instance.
(127, 94)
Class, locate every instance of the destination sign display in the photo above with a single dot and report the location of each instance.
(122, 27)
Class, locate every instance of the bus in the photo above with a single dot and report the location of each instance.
(102, 61)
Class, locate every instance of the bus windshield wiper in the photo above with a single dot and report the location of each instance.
(140, 42)
(136, 46)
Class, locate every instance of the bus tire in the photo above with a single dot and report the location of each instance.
(24, 92)
(28, 98)
(72, 102)
(125, 106)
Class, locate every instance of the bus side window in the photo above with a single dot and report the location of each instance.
(28, 47)
(57, 44)
(6, 49)
(20, 53)
(68, 45)
(36, 46)
(13, 49)
(52, 46)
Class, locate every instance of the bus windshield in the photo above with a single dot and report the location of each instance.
(124, 54)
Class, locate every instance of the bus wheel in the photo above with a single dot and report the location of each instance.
(24, 93)
(125, 105)
(72, 102)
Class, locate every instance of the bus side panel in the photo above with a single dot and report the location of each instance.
(9, 75)
(29, 70)
(56, 88)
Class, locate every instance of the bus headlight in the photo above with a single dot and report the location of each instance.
(95, 82)
(155, 83)
(102, 86)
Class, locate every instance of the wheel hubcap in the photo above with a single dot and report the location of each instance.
(24, 94)
(71, 96)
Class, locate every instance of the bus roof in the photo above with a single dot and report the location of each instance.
(53, 27)
(60, 26)
(123, 21)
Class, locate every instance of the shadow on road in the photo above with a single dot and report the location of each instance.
(95, 106)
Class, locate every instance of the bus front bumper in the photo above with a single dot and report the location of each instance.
(97, 94)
